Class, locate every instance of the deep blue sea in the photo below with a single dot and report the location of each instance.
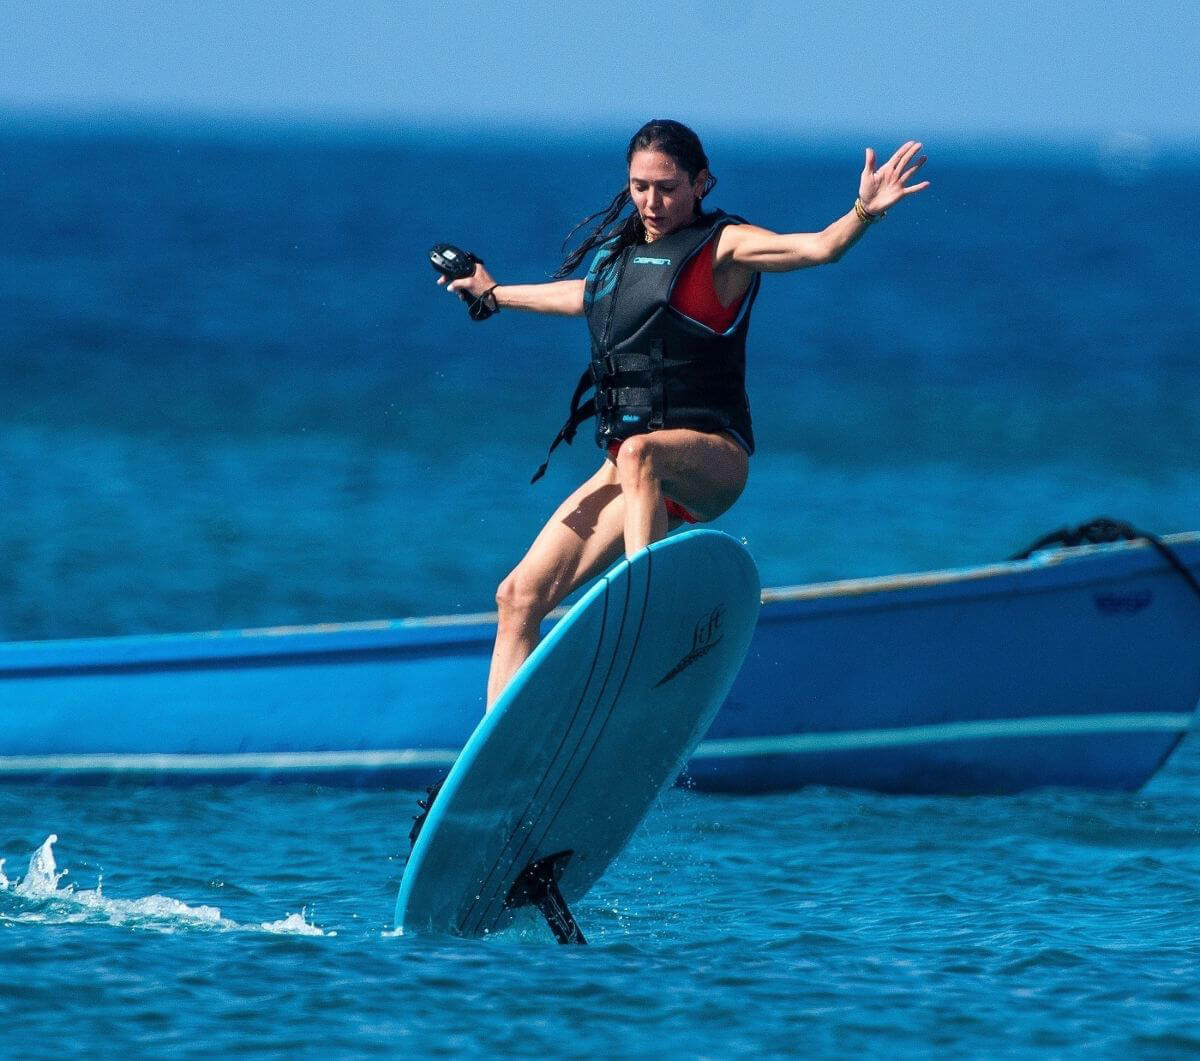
(231, 395)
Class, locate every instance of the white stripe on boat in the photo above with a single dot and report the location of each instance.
(855, 740)
(417, 758)
(117, 762)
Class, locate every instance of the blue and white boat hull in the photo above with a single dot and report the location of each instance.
(1076, 667)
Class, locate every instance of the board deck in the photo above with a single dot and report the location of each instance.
(596, 723)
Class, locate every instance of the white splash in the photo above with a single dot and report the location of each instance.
(154, 910)
(41, 880)
(45, 901)
(295, 925)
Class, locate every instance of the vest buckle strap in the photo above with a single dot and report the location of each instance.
(634, 397)
(632, 362)
(610, 367)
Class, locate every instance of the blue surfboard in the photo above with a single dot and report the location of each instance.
(597, 722)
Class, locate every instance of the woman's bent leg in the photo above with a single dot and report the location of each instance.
(703, 472)
(581, 539)
(622, 504)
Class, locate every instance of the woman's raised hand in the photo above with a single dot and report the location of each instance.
(879, 189)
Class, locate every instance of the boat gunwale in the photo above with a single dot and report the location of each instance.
(1052, 558)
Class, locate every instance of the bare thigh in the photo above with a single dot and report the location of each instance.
(583, 537)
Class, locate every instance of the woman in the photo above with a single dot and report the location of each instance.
(668, 298)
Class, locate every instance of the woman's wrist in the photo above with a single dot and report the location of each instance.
(864, 215)
(483, 298)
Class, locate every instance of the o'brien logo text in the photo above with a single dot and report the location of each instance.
(706, 635)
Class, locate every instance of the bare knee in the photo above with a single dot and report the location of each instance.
(522, 599)
(636, 460)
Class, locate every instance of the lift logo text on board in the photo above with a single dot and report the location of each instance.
(706, 635)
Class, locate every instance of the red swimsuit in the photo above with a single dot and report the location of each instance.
(695, 293)
(695, 296)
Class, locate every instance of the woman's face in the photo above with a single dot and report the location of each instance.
(663, 195)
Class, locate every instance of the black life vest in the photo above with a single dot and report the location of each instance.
(652, 366)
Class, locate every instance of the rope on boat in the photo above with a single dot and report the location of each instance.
(1101, 530)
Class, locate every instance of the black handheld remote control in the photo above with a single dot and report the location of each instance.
(456, 264)
(452, 263)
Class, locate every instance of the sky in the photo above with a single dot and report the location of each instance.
(1048, 69)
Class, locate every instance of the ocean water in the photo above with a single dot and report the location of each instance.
(230, 395)
(206, 921)
(233, 396)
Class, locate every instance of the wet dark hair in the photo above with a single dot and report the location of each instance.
(659, 134)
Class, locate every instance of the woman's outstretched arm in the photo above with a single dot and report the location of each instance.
(561, 297)
(748, 247)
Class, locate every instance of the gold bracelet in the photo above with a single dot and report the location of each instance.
(864, 215)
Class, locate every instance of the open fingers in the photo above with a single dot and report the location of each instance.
(905, 154)
(894, 161)
(911, 171)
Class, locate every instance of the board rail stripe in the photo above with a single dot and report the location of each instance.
(541, 827)
(559, 764)
(538, 825)
(418, 758)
